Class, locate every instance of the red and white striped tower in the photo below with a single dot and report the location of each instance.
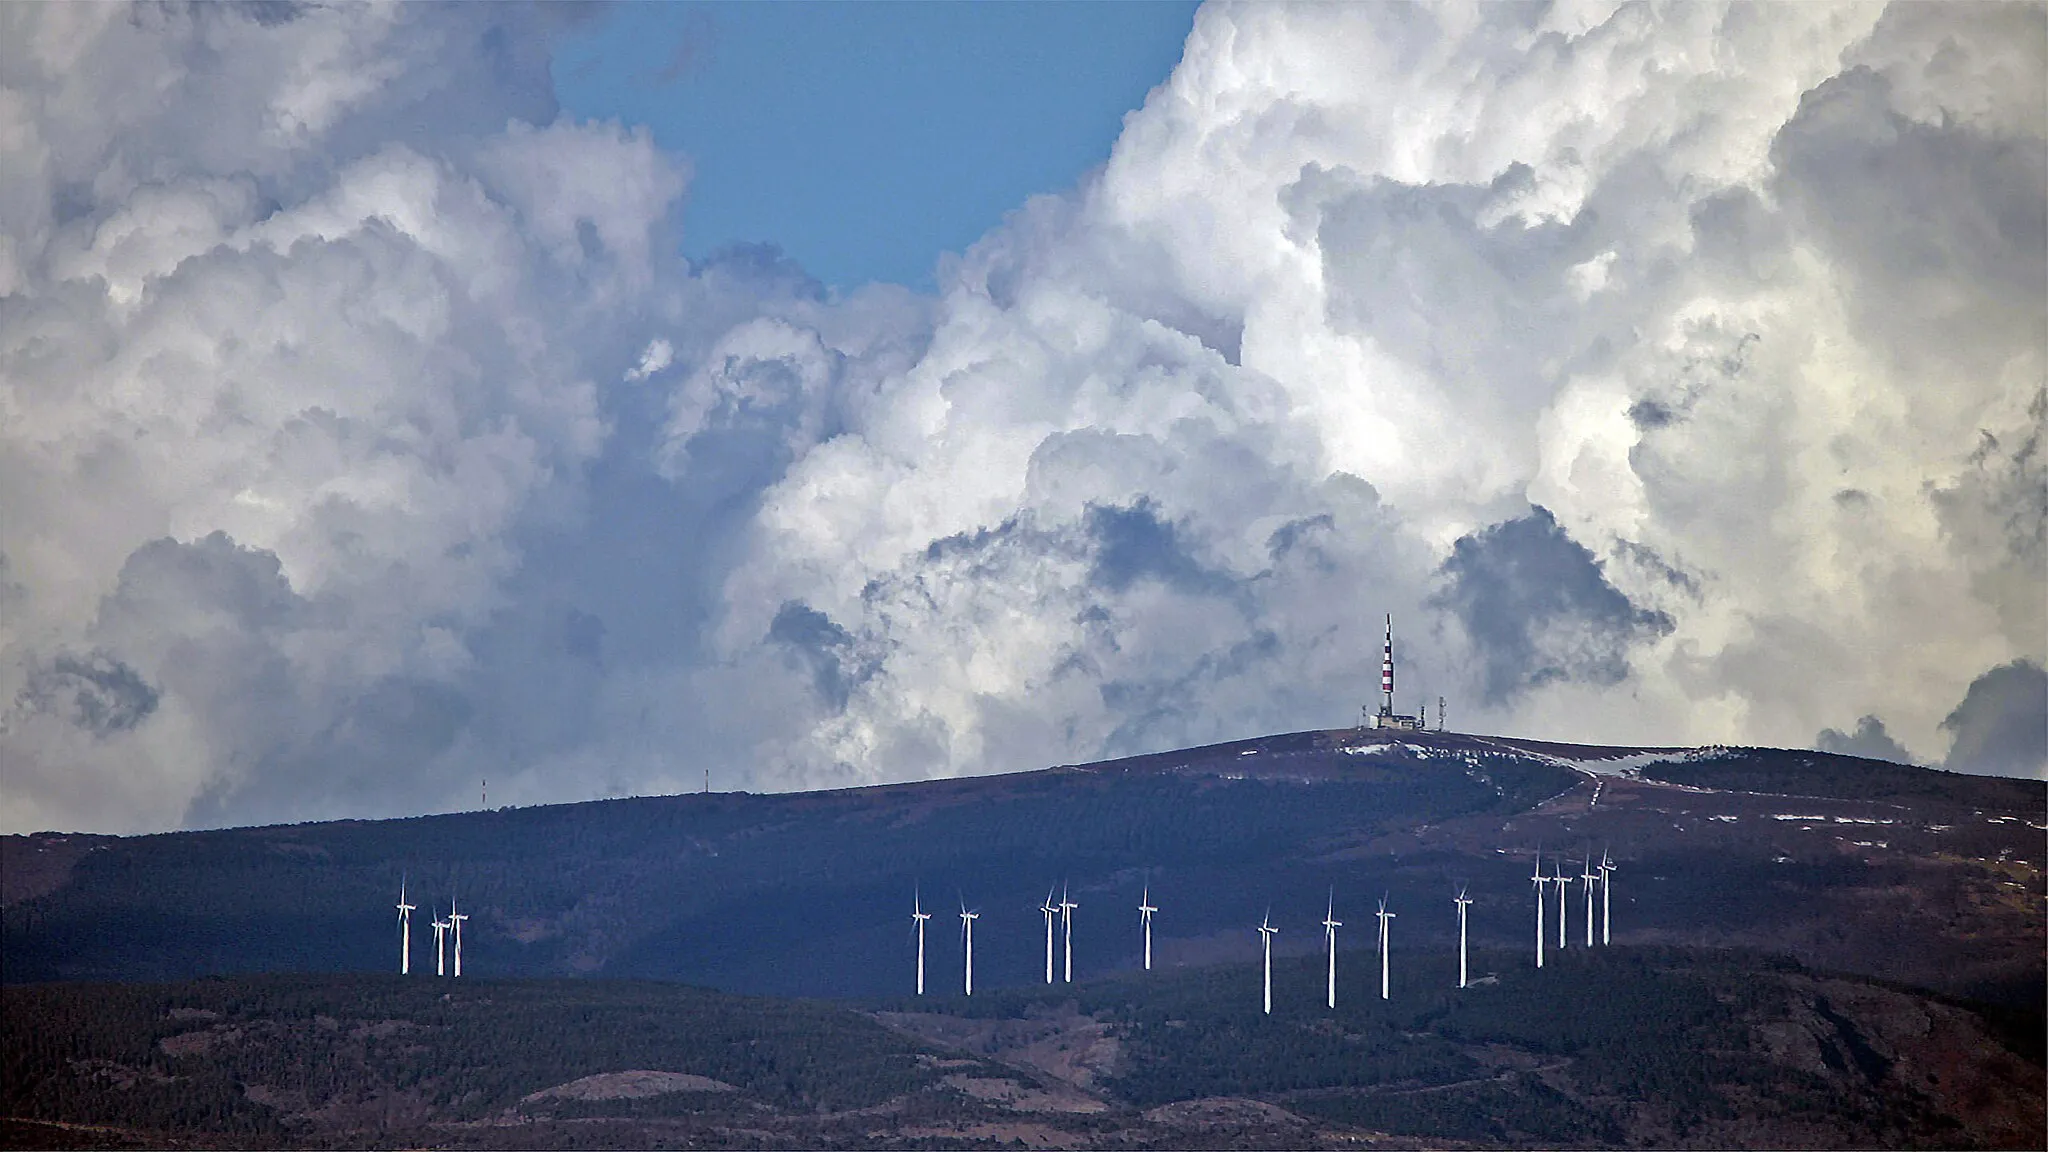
(1387, 669)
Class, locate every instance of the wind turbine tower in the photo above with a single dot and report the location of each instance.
(1051, 910)
(440, 944)
(918, 915)
(967, 920)
(1067, 907)
(1586, 878)
(404, 930)
(1606, 870)
(1266, 931)
(1330, 926)
(1560, 880)
(1462, 901)
(1385, 945)
(455, 920)
(1145, 911)
(1539, 881)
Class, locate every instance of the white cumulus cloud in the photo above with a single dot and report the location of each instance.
(1671, 373)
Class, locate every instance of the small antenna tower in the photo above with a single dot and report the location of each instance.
(707, 779)
(1439, 713)
(487, 793)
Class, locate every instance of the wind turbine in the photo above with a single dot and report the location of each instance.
(1606, 868)
(1462, 901)
(1050, 909)
(967, 920)
(1560, 880)
(1539, 881)
(1586, 877)
(1145, 911)
(455, 920)
(918, 915)
(404, 930)
(440, 944)
(1067, 907)
(1330, 926)
(1266, 931)
(1385, 945)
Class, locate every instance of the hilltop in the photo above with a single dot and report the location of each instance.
(1901, 873)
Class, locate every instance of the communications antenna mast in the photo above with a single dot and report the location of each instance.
(1387, 717)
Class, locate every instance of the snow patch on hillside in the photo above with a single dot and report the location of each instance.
(1627, 765)
(1417, 751)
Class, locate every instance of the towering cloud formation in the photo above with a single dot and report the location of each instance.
(1670, 374)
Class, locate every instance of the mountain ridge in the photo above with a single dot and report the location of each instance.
(797, 893)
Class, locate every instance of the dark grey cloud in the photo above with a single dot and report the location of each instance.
(737, 423)
(2001, 726)
(211, 581)
(303, 738)
(1996, 514)
(98, 693)
(1538, 608)
(268, 13)
(1647, 558)
(1738, 237)
(1694, 379)
(1651, 415)
(1152, 713)
(1301, 534)
(1857, 169)
(1134, 543)
(1933, 216)
(1869, 741)
(541, 665)
(357, 752)
(825, 648)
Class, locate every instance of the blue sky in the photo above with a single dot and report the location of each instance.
(866, 139)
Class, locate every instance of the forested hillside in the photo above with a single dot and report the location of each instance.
(1617, 1047)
